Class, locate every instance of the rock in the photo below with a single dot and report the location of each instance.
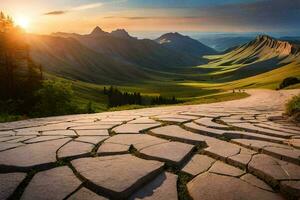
(176, 133)
(295, 142)
(74, 149)
(210, 186)
(103, 132)
(162, 187)
(204, 130)
(86, 194)
(198, 164)
(21, 139)
(5, 139)
(52, 184)
(170, 152)
(93, 127)
(207, 121)
(273, 170)
(277, 128)
(143, 120)
(43, 139)
(291, 188)
(255, 136)
(110, 148)
(177, 116)
(139, 141)
(172, 120)
(32, 154)
(6, 146)
(9, 182)
(220, 149)
(251, 127)
(242, 159)
(249, 178)
(280, 151)
(287, 154)
(91, 139)
(134, 128)
(225, 169)
(60, 132)
(7, 133)
(134, 171)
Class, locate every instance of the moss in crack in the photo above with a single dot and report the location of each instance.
(135, 152)
(111, 132)
(183, 179)
(60, 163)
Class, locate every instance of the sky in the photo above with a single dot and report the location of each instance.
(142, 16)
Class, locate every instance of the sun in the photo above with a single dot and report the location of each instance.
(23, 22)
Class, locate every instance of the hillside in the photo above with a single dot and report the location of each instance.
(181, 43)
(69, 58)
(260, 55)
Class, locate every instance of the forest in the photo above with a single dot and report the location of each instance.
(118, 98)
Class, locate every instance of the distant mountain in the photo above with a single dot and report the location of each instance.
(67, 57)
(222, 44)
(104, 57)
(97, 32)
(121, 33)
(260, 55)
(144, 53)
(181, 43)
(265, 47)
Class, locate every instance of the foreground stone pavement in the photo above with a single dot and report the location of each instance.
(231, 150)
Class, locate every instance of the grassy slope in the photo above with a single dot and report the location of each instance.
(269, 80)
(85, 92)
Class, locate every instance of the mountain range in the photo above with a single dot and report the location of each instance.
(116, 57)
(108, 57)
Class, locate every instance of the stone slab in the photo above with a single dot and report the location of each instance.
(9, 183)
(134, 171)
(32, 154)
(225, 169)
(110, 148)
(73, 149)
(198, 164)
(179, 134)
(207, 121)
(52, 184)
(86, 194)
(134, 128)
(91, 139)
(162, 187)
(92, 132)
(210, 186)
(170, 152)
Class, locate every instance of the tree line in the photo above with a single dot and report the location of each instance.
(23, 89)
(118, 98)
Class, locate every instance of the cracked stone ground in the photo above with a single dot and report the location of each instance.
(232, 150)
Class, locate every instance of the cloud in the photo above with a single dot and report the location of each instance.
(87, 6)
(57, 12)
(151, 17)
(77, 8)
(258, 15)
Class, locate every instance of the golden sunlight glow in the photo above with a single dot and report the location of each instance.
(23, 22)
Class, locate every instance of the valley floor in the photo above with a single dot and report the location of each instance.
(225, 150)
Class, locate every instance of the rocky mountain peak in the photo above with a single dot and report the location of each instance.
(97, 31)
(120, 33)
